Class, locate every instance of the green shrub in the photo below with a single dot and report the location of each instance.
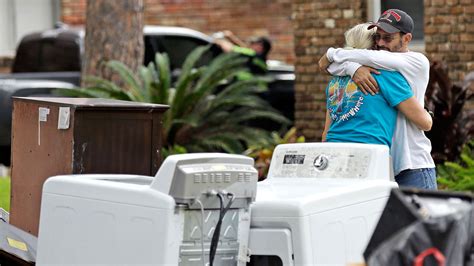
(263, 152)
(210, 109)
(453, 125)
(5, 193)
(458, 176)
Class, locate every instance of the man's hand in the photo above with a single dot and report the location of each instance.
(323, 63)
(363, 78)
(228, 33)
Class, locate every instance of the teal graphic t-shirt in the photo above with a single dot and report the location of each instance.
(356, 117)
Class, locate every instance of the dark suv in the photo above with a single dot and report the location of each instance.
(178, 42)
(52, 59)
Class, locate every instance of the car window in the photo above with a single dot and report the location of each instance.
(177, 48)
(38, 53)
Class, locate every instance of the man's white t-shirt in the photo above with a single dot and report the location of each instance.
(410, 147)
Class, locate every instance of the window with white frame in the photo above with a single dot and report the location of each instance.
(20, 17)
(414, 8)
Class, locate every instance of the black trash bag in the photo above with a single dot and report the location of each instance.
(423, 228)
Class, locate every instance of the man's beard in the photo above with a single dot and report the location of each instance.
(397, 48)
(382, 48)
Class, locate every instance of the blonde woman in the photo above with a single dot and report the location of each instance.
(352, 116)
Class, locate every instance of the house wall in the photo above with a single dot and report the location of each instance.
(20, 17)
(449, 38)
(318, 26)
(449, 35)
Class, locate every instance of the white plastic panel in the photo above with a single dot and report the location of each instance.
(187, 177)
(272, 242)
(331, 160)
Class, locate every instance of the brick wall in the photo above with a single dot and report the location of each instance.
(246, 18)
(449, 35)
(73, 12)
(318, 25)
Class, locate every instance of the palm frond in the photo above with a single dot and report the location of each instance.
(164, 76)
(127, 75)
(146, 77)
(233, 102)
(182, 89)
(201, 91)
(220, 143)
(221, 68)
(243, 114)
(154, 85)
(191, 121)
(74, 93)
(106, 86)
(210, 108)
(240, 87)
(220, 63)
(103, 83)
(189, 64)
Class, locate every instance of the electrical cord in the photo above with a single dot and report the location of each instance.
(202, 232)
(215, 236)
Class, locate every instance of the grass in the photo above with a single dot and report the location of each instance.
(5, 193)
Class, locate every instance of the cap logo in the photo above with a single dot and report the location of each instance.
(386, 15)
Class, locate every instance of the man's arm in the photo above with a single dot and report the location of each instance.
(337, 69)
(377, 59)
(412, 65)
(361, 75)
(234, 39)
(416, 113)
(343, 69)
(225, 45)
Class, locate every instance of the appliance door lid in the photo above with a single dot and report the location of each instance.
(272, 242)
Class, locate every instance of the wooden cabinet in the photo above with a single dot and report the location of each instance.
(55, 136)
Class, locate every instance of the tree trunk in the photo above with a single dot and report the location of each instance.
(114, 31)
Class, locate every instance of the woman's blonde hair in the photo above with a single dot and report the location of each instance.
(359, 37)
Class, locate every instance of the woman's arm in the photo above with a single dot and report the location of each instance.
(327, 124)
(416, 113)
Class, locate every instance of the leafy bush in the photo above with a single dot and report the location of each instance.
(210, 109)
(459, 175)
(262, 152)
(5, 193)
(453, 126)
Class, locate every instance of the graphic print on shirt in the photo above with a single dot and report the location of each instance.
(344, 99)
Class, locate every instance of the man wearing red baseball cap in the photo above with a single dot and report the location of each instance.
(394, 20)
(412, 161)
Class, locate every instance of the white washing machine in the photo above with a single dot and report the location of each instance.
(170, 219)
(319, 204)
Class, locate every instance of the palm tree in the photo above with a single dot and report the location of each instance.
(103, 43)
(210, 109)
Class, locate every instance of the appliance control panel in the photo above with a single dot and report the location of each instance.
(331, 160)
(187, 177)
